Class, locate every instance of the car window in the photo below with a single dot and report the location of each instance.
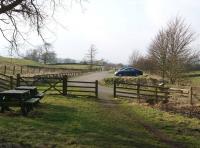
(130, 69)
(121, 69)
(126, 69)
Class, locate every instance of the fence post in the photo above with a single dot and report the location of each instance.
(18, 80)
(115, 89)
(64, 85)
(96, 88)
(156, 93)
(11, 82)
(27, 70)
(4, 69)
(166, 94)
(14, 70)
(21, 70)
(138, 91)
(191, 96)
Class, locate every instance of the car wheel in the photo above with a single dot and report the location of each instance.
(120, 75)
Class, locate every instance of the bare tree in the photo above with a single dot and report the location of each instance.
(91, 55)
(47, 53)
(146, 63)
(32, 13)
(171, 49)
(179, 51)
(43, 53)
(33, 54)
(134, 58)
(158, 52)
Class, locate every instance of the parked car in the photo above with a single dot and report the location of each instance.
(128, 71)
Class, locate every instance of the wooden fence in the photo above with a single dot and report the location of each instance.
(60, 75)
(24, 70)
(187, 96)
(59, 84)
(181, 97)
(48, 85)
(80, 88)
(140, 91)
(7, 82)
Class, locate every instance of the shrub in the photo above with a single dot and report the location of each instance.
(130, 80)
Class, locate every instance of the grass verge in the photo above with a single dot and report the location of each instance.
(85, 122)
(184, 131)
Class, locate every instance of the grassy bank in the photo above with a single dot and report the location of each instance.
(184, 131)
(85, 122)
(17, 61)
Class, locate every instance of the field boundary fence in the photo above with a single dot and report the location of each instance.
(140, 91)
(178, 100)
(60, 85)
(191, 95)
(33, 70)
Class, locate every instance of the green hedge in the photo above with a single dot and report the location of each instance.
(130, 80)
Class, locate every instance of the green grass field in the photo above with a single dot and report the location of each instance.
(195, 81)
(75, 66)
(85, 122)
(17, 61)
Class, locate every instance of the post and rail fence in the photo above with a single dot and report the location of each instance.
(56, 84)
(140, 91)
(30, 70)
(60, 85)
(80, 88)
(187, 96)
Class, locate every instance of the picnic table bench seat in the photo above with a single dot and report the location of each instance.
(26, 106)
(32, 101)
(39, 95)
(33, 91)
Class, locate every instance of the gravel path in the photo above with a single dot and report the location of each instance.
(105, 93)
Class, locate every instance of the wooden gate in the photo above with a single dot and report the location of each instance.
(7, 82)
(80, 88)
(47, 85)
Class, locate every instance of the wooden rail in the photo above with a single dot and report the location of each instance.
(191, 95)
(7, 82)
(59, 84)
(11, 69)
(80, 88)
(140, 91)
(15, 69)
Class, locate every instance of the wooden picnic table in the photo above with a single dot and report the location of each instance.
(17, 98)
(16, 94)
(33, 91)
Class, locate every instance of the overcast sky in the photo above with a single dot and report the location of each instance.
(116, 27)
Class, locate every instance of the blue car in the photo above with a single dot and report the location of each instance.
(129, 71)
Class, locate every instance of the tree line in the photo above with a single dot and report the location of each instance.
(46, 54)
